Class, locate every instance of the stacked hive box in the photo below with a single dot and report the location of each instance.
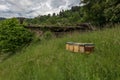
(70, 46)
(76, 47)
(80, 47)
(89, 47)
(67, 45)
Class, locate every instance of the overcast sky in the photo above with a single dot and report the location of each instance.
(32, 8)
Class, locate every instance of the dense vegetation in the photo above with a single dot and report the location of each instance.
(48, 60)
(96, 12)
(13, 36)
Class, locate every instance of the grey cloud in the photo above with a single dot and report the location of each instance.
(57, 3)
(32, 8)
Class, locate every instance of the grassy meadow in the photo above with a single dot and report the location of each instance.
(48, 59)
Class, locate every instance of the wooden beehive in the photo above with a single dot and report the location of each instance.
(82, 48)
(79, 47)
(89, 47)
(76, 47)
(69, 46)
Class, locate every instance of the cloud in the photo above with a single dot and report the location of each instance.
(32, 8)
(3, 8)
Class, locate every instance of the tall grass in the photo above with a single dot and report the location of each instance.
(48, 60)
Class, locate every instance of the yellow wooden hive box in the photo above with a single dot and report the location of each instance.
(69, 46)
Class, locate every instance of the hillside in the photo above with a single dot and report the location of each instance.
(48, 59)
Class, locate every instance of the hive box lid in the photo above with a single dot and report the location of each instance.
(69, 42)
(80, 44)
(89, 44)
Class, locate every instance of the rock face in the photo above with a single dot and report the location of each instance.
(57, 30)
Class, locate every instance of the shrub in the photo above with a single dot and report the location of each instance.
(48, 35)
(13, 36)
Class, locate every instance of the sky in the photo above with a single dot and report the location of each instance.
(32, 8)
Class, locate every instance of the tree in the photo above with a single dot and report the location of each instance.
(100, 12)
(93, 12)
(112, 12)
(54, 14)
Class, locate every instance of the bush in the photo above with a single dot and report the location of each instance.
(48, 35)
(13, 36)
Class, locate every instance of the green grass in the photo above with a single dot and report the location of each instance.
(48, 60)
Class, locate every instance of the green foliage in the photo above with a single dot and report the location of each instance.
(48, 35)
(13, 36)
(101, 12)
(112, 14)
